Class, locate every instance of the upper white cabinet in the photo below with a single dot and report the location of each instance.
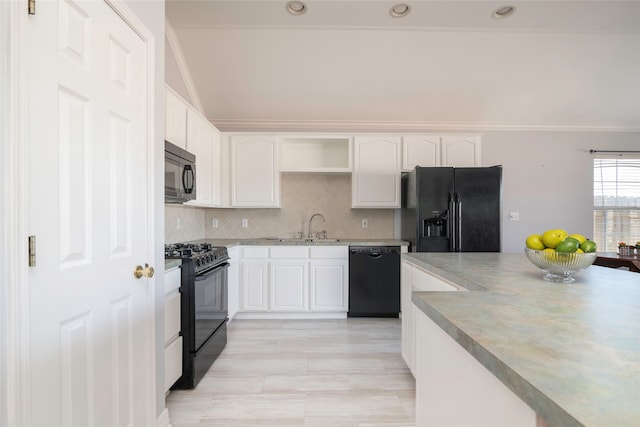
(203, 140)
(440, 150)
(255, 176)
(461, 150)
(315, 154)
(376, 172)
(175, 119)
(420, 150)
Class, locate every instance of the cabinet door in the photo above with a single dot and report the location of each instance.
(376, 175)
(200, 135)
(420, 150)
(175, 119)
(288, 285)
(329, 285)
(461, 150)
(255, 178)
(254, 286)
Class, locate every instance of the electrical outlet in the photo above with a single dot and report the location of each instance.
(245, 223)
(365, 223)
(214, 223)
(514, 216)
(178, 223)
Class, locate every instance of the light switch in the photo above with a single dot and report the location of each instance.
(514, 216)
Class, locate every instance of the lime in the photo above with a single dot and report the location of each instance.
(588, 246)
(568, 245)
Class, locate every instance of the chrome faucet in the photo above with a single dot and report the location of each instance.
(311, 219)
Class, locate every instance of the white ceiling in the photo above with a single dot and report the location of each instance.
(448, 65)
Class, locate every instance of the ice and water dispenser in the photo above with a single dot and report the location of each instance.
(435, 226)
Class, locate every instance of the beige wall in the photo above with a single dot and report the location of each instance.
(302, 195)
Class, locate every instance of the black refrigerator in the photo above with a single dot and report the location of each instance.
(447, 209)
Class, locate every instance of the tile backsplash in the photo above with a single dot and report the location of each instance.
(302, 195)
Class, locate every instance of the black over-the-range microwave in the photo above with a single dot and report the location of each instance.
(179, 174)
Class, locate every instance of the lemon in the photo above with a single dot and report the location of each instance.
(579, 237)
(579, 251)
(552, 238)
(534, 242)
(549, 254)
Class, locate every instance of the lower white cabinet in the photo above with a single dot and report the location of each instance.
(288, 285)
(172, 338)
(294, 279)
(412, 279)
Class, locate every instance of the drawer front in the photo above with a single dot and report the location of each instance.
(255, 252)
(171, 316)
(172, 363)
(324, 252)
(288, 252)
(171, 280)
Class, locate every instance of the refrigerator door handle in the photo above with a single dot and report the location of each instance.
(459, 227)
(451, 221)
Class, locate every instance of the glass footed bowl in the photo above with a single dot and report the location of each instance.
(560, 266)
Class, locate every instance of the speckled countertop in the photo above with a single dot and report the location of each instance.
(571, 352)
(273, 241)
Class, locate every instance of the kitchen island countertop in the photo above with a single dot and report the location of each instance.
(570, 351)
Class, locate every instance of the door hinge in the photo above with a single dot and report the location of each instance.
(32, 251)
(32, 7)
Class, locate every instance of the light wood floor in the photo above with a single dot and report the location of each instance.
(312, 373)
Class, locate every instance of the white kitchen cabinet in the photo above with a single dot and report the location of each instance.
(233, 281)
(376, 172)
(300, 281)
(288, 285)
(461, 150)
(329, 285)
(175, 119)
(172, 338)
(420, 150)
(200, 142)
(412, 279)
(255, 175)
(431, 150)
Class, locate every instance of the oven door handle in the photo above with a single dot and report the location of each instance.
(211, 272)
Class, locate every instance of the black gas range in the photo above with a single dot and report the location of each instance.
(203, 304)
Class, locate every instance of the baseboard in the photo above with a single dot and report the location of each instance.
(163, 420)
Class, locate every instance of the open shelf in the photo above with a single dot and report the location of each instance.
(315, 154)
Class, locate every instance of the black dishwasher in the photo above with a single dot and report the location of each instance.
(374, 281)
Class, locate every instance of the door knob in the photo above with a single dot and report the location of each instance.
(145, 271)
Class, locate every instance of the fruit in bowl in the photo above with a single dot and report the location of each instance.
(560, 254)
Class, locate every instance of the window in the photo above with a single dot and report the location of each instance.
(616, 201)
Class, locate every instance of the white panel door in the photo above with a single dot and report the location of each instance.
(329, 285)
(288, 285)
(461, 150)
(91, 324)
(420, 150)
(376, 173)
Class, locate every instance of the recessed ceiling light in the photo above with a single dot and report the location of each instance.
(296, 7)
(399, 10)
(503, 12)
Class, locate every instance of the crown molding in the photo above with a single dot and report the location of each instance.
(176, 49)
(235, 125)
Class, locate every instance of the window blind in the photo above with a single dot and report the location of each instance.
(616, 201)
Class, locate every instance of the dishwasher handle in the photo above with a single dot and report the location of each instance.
(374, 252)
